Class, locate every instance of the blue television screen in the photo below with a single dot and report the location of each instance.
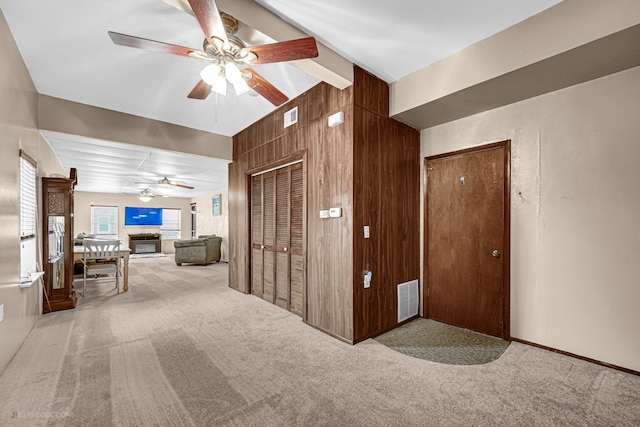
(142, 216)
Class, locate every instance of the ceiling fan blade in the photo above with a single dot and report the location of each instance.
(264, 88)
(201, 91)
(208, 16)
(175, 184)
(153, 45)
(283, 51)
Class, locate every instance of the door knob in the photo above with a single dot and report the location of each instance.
(262, 247)
(285, 249)
(495, 253)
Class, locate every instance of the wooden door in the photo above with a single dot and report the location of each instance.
(277, 237)
(467, 239)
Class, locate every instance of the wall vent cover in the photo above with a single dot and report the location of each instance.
(407, 300)
(291, 117)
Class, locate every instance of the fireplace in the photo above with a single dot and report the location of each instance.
(145, 243)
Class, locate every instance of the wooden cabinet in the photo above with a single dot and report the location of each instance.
(57, 247)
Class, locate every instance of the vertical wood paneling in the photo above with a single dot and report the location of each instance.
(325, 283)
(386, 185)
(329, 247)
(239, 227)
(370, 92)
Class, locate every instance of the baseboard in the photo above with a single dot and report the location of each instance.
(576, 356)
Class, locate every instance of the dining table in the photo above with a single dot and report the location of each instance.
(78, 255)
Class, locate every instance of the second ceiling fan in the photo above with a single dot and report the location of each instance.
(229, 55)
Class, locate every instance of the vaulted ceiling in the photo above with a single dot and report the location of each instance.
(69, 56)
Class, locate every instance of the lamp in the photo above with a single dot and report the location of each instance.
(145, 195)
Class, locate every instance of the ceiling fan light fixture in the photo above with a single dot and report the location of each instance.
(164, 189)
(145, 195)
(213, 75)
(234, 75)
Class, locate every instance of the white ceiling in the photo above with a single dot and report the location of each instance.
(69, 55)
(111, 167)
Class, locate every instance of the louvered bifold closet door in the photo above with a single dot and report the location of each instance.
(296, 244)
(282, 238)
(268, 234)
(256, 236)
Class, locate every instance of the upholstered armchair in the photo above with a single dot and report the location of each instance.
(203, 250)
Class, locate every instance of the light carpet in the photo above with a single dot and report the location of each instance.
(182, 349)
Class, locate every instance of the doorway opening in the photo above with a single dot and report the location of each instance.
(194, 222)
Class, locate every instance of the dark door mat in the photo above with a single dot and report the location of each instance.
(438, 342)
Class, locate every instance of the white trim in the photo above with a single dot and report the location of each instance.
(277, 167)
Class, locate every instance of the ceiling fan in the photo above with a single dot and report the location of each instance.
(162, 187)
(165, 181)
(229, 55)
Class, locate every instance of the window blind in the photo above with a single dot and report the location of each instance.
(171, 225)
(28, 203)
(104, 221)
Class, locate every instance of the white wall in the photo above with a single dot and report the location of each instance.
(18, 99)
(207, 223)
(82, 214)
(575, 213)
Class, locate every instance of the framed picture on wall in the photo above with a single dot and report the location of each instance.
(217, 204)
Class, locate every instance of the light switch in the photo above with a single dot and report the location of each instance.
(335, 212)
(1, 312)
(324, 214)
(367, 280)
(366, 232)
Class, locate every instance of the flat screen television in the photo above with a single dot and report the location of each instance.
(142, 216)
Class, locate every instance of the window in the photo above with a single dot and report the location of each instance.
(104, 221)
(28, 209)
(170, 224)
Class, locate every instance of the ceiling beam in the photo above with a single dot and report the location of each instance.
(59, 115)
(567, 44)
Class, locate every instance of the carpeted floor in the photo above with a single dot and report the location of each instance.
(182, 349)
(437, 342)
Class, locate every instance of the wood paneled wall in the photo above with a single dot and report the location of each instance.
(369, 167)
(387, 182)
(328, 164)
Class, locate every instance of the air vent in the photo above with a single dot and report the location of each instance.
(407, 300)
(291, 117)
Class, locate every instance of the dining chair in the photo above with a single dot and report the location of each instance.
(100, 257)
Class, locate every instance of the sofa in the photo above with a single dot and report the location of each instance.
(203, 250)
